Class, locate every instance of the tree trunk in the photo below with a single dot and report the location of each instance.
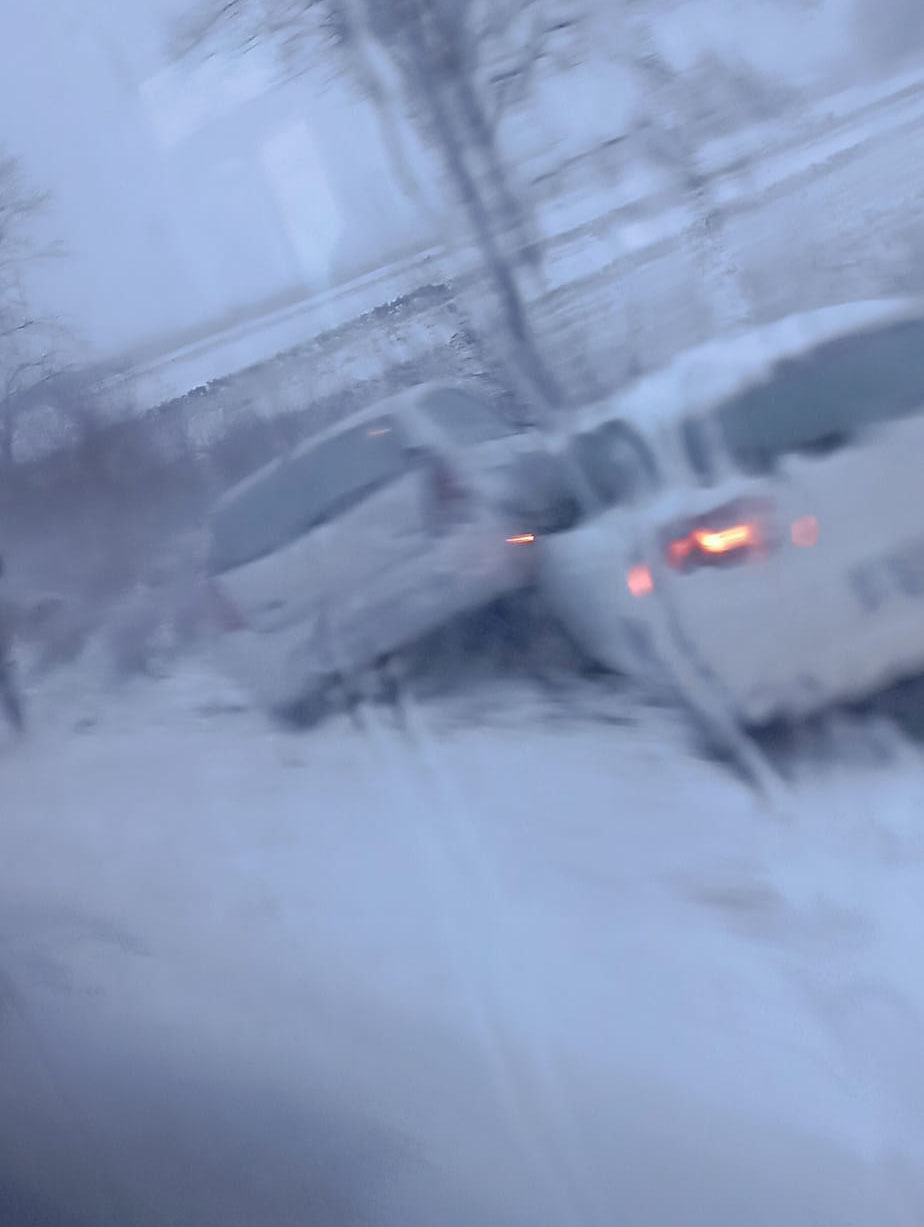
(435, 84)
(707, 243)
(496, 176)
(524, 356)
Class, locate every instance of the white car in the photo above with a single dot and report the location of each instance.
(417, 509)
(754, 532)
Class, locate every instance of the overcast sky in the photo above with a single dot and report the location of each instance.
(182, 203)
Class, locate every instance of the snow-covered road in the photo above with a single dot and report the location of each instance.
(505, 966)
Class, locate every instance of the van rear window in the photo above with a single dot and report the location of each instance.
(309, 488)
(617, 463)
(822, 399)
(468, 420)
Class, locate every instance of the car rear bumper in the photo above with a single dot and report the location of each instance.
(803, 676)
(284, 666)
(847, 672)
(279, 668)
(402, 607)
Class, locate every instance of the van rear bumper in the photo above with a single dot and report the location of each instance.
(282, 666)
(277, 668)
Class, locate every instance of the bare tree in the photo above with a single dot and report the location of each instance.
(453, 67)
(27, 341)
(668, 131)
(40, 383)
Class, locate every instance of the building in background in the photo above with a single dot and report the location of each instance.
(188, 199)
(192, 199)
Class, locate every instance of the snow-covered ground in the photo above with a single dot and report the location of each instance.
(517, 962)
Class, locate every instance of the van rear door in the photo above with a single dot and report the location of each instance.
(802, 581)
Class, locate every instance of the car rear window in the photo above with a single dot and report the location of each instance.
(617, 463)
(308, 488)
(821, 400)
(466, 419)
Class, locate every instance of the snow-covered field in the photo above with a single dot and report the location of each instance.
(512, 962)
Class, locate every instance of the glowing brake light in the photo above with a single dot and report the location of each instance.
(728, 534)
(680, 550)
(522, 539)
(713, 542)
(738, 537)
(639, 580)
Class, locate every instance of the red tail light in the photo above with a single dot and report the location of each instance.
(639, 580)
(712, 542)
(730, 534)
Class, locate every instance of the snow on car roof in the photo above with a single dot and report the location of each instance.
(698, 378)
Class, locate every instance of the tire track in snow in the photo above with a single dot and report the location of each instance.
(468, 906)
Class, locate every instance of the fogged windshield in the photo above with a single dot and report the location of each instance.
(825, 398)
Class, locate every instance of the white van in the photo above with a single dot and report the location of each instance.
(756, 527)
(417, 509)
